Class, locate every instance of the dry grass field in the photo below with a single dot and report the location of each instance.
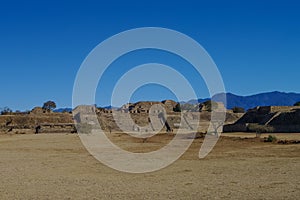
(57, 166)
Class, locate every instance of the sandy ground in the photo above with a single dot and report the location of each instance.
(57, 166)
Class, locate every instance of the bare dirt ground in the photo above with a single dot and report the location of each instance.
(57, 166)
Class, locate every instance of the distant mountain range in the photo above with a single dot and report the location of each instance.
(59, 110)
(247, 102)
(262, 99)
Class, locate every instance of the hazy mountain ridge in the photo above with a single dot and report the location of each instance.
(262, 99)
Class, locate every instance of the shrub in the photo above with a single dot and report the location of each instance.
(271, 138)
(297, 104)
(6, 111)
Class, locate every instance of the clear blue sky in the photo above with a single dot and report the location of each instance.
(255, 44)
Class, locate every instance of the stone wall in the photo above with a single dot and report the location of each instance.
(25, 123)
(280, 118)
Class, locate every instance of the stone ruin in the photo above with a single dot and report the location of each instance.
(278, 118)
(144, 106)
(37, 121)
(135, 117)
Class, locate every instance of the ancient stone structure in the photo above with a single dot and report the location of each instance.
(279, 118)
(37, 121)
(145, 117)
(144, 106)
(38, 111)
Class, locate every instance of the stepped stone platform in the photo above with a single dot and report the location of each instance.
(278, 118)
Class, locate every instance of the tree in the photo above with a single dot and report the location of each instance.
(49, 105)
(297, 104)
(238, 110)
(5, 111)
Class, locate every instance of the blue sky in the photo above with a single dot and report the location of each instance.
(255, 44)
